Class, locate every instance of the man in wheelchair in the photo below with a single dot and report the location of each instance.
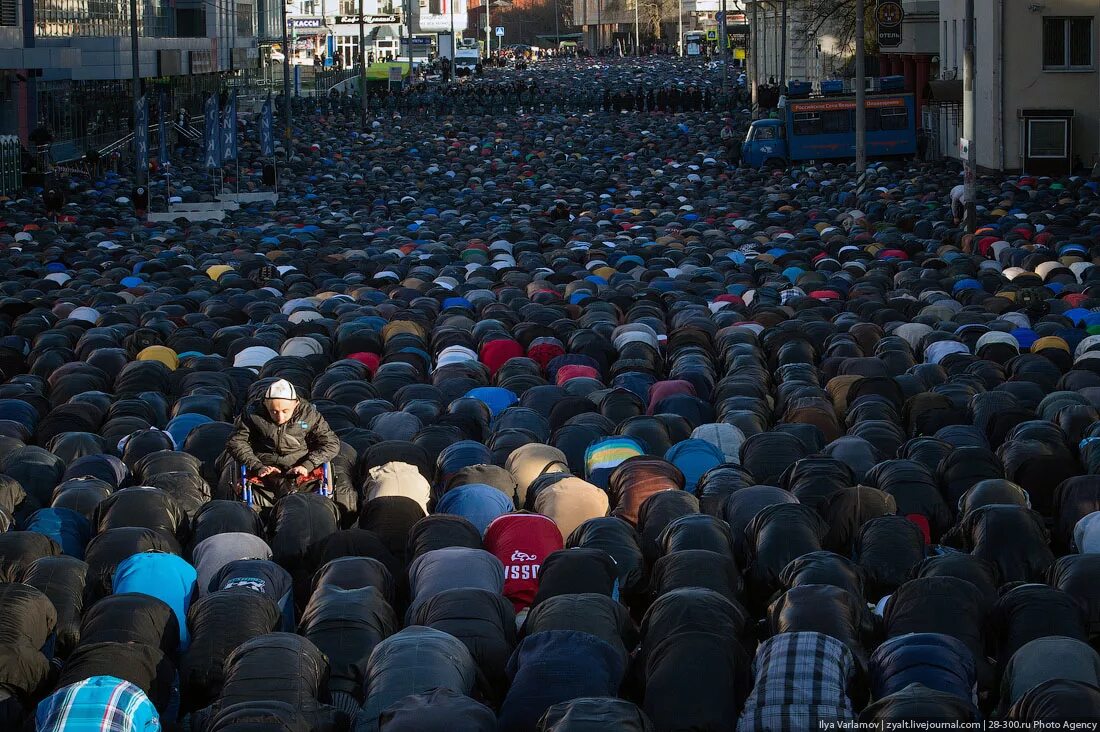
(282, 442)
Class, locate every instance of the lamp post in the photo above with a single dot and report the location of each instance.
(135, 71)
(287, 129)
(637, 44)
(409, 33)
(861, 92)
(362, 65)
(753, 35)
(723, 38)
(783, 51)
(451, 5)
(557, 30)
(969, 121)
(680, 30)
(599, 25)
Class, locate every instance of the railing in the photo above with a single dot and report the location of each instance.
(122, 143)
(323, 81)
(251, 95)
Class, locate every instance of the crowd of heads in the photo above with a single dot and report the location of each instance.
(626, 434)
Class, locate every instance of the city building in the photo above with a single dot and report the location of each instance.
(66, 63)
(812, 49)
(607, 22)
(328, 30)
(1036, 82)
(915, 57)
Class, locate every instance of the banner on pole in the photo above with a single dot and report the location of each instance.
(162, 127)
(141, 134)
(229, 129)
(267, 129)
(211, 134)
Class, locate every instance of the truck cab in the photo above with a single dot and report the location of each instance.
(466, 61)
(765, 144)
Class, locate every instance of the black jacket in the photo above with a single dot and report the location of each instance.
(305, 440)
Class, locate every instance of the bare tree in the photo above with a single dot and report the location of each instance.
(527, 21)
(839, 18)
(652, 14)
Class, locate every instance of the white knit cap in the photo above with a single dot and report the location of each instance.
(281, 389)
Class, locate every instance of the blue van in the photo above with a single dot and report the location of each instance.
(823, 128)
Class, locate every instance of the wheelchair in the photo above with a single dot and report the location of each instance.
(326, 487)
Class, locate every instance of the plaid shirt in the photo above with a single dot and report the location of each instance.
(801, 680)
(98, 704)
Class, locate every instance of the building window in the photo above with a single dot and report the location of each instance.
(349, 7)
(836, 122)
(8, 14)
(348, 46)
(245, 28)
(1067, 43)
(807, 123)
(1047, 138)
(955, 41)
(190, 22)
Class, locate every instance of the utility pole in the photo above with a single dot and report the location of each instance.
(557, 30)
(723, 38)
(753, 48)
(362, 65)
(637, 43)
(969, 122)
(599, 26)
(409, 32)
(135, 71)
(680, 30)
(783, 50)
(454, 44)
(861, 92)
(287, 127)
(488, 37)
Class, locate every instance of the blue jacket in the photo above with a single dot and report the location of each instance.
(163, 576)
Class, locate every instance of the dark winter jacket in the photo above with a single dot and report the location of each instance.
(305, 440)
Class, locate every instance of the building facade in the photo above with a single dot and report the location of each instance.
(605, 22)
(66, 64)
(916, 57)
(1036, 81)
(812, 49)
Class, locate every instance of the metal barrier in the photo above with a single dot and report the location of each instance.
(121, 144)
(11, 164)
(324, 81)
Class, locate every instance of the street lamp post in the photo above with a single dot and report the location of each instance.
(861, 92)
(637, 44)
(287, 129)
(451, 5)
(362, 65)
(488, 36)
(783, 51)
(680, 30)
(409, 33)
(723, 38)
(754, 31)
(557, 30)
(969, 120)
(135, 70)
(599, 25)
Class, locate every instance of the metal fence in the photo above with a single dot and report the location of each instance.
(98, 115)
(11, 176)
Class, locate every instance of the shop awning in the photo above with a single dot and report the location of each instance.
(944, 91)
